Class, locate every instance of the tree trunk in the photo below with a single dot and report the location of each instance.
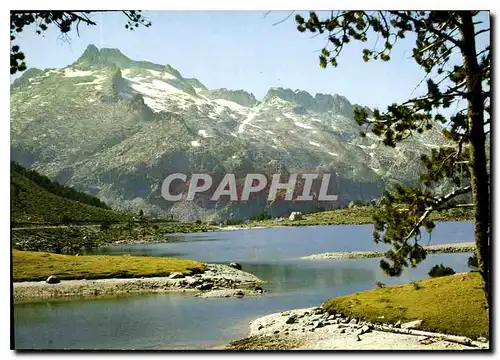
(479, 175)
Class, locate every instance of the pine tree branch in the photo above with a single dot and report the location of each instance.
(482, 31)
(461, 206)
(433, 207)
(85, 19)
(428, 28)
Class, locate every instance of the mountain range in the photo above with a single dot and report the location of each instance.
(115, 128)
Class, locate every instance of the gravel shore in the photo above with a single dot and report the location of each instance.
(431, 249)
(217, 281)
(315, 329)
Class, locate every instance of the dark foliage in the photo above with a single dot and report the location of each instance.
(440, 270)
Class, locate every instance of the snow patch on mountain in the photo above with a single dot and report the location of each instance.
(76, 73)
(302, 125)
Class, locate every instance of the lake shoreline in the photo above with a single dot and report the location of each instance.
(316, 329)
(216, 281)
(430, 249)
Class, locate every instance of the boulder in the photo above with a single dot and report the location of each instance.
(176, 275)
(193, 282)
(205, 286)
(482, 339)
(239, 294)
(319, 324)
(365, 329)
(235, 265)
(295, 215)
(291, 320)
(411, 324)
(353, 322)
(397, 324)
(52, 280)
(318, 310)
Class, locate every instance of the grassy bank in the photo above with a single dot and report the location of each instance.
(357, 215)
(36, 266)
(32, 203)
(452, 304)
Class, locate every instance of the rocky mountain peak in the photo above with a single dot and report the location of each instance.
(241, 97)
(319, 103)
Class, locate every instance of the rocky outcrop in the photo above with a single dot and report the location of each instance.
(316, 329)
(430, 249)
(216, 278)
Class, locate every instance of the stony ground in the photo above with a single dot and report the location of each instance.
(217, 281)
(315, 329)
(431, 249)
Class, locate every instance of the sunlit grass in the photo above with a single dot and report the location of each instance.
(451, 304)
(35, 266)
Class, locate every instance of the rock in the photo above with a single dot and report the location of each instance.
(193, 282)
(344, 321)
(353, 322)
(358, 338)
(235, 266)
(291, 320)
(239, 294)
(276, 331)
(176, 275)
(398, 324)
(365, 329)
(411, 324)
(295, 215)
(260, 327)
(318, 325)
(318, 310)
(205, 286)
(342, 331)
(259, 289)
(52, 280)
(482, 339)
(338, 315)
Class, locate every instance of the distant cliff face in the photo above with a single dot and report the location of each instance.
(116, 127)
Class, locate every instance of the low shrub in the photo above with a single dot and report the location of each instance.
(440, 270)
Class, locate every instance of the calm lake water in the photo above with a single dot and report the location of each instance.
(156, 321)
